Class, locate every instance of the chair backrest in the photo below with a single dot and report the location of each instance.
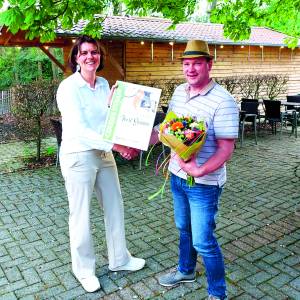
(165, 108)
(249, 100)
(249, 107)
(295, 98)
(159, 117)
(272, 109)
(57, 129)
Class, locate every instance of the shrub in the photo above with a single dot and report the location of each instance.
(231, 83)
(275, 85)
(30, 103)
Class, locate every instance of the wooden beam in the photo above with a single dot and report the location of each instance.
(7, 38)
(116, 65)
(62, 67)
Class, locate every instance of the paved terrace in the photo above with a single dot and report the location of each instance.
(257, 228)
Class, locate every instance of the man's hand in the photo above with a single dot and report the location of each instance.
(223, 154)
(190, 167)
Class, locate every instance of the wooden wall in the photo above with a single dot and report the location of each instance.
(230, 61)
(140, 64)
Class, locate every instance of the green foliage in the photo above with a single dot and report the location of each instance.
(40, 18)
(239, 15)
(50, 151)
(30, 102)
(177, 11)
(24, 65)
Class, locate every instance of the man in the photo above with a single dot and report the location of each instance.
(195, 207)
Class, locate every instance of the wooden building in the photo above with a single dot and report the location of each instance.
(143, 49)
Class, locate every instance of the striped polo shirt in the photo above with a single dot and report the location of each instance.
(218, 109)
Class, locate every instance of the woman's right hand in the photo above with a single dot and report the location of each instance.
(126, 152)
(113, 88)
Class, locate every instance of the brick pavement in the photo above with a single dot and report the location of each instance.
(257, 228)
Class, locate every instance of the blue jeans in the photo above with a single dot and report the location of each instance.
(195, 209)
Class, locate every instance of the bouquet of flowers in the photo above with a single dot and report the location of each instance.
(185, 136)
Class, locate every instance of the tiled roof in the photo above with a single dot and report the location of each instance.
(155, 29)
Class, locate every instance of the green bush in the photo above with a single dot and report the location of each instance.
(30, 104)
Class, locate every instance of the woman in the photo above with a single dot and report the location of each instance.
(87, 164)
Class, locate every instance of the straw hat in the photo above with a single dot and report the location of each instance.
(196, 48)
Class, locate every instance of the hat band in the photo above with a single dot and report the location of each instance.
(195, 53)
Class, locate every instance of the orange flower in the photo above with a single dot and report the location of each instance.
(177, 125)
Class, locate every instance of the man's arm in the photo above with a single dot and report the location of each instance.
(223, 153)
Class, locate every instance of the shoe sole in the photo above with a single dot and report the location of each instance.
(181, 281)
(124, 269)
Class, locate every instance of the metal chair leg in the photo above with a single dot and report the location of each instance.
(57, 156)
(255, 131)
(242, 132)
(295, 122)
(141, 159)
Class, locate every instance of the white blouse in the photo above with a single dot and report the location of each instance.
(83, 110)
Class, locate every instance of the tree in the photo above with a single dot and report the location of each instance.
(41, 17)
(25, 65)
(239, 15)
(31, 102)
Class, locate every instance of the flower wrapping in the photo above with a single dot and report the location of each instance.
(184, 135)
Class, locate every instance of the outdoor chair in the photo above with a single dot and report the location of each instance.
(291, 109)
(58, 133)
(273, 114)
(165, 108)
(295, 98)
(249, 113)
(160, 116)
(260, 113)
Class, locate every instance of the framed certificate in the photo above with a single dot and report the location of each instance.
(131, 115)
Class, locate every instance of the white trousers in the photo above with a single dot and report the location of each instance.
(84, 172)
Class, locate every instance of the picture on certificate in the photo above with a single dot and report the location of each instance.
(131, 115)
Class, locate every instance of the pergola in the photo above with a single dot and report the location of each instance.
(7, 39)
(140, 49)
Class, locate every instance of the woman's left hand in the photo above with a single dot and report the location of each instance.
(126, 152)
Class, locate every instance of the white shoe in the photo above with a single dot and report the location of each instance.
(90, 284)
(134, 264)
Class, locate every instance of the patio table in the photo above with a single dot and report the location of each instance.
(294, 104)
(287, 104)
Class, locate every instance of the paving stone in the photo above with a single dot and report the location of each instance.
(280, 280)
(13, 274)
(29, 290)
(256, 227)
(29, 297)
(290, 292)
(31, 276)
(127, 293)
(142, 290)
(259, 277)
(269, 290)
(8, 296)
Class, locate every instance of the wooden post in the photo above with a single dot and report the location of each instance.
(249, 52)
(152, 50)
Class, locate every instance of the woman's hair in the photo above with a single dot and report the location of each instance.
(76, 48)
